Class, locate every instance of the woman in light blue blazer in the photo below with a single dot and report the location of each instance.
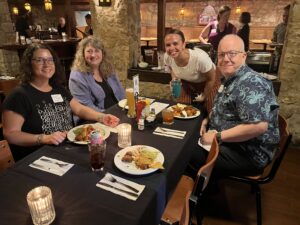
(93, 81)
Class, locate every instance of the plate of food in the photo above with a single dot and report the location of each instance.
(80, 134)
(182, 111)
(139, 160)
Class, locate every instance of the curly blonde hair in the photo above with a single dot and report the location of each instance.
(105, 67)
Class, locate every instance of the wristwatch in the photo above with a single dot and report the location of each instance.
(219, 138)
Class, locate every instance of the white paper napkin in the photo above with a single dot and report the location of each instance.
(111, 129)
(51, 165)
(179, 134)
(206, 147)
(121, 187)
(158, 106)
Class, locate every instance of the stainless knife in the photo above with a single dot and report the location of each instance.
(119, 189)
(45, 168)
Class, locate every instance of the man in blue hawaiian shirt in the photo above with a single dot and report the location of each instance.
(244, 116)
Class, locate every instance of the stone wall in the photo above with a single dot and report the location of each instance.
(119, 29)
(9, 61)
(289, 74)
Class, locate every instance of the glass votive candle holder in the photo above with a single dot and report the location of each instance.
(124, 135)
(41, 205)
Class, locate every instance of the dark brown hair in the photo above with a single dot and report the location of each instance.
(245, 17)
(176, 31)
(26, 65)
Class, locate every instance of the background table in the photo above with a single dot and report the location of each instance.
(77, 200)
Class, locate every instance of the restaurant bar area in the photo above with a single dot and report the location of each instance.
(150, 112)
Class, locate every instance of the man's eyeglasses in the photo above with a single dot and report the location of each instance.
(41, 61)
(230, 54)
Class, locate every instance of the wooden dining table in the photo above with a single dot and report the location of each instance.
(148, 39)
(77, 199)
(263, 42)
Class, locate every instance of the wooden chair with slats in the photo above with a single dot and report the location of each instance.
(6, 158)
(178, 211)
(271, 170)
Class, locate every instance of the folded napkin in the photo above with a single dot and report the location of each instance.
(158, 106)
(205, 147)
(51, 165)
(169, 132)
(111, 129)
(120, 189)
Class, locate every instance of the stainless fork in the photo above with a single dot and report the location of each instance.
(114, 180)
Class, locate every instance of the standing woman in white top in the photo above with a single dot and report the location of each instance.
(193, 66)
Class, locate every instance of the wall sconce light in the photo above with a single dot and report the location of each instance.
(238, 10)
(181, 12)
(48, 5)
(105, 3)
(27, 6)
(15, 10)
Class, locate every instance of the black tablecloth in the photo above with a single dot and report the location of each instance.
(77, 200)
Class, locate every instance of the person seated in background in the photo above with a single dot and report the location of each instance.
(244, 31)
(93, 81)
(88, 29)
(216, 30)
(193, 67)
(244, 117)
(62, 27)
(40, 110)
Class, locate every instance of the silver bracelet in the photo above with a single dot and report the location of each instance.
(39, 139)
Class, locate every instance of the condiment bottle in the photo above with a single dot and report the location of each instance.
(141, 123)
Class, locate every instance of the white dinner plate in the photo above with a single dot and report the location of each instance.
(187, 117)
(131, 168)
(123, 102)
(103, 131)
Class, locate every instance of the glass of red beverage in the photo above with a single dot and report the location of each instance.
(97, 155)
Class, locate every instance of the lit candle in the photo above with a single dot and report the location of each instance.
(124, 135)
(41, 205)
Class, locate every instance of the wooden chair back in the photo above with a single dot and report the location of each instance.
(185, 216)
(205, 171)
(285, 139)
(6, 158)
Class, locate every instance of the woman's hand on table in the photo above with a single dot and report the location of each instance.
(55, 138)
(110, 120)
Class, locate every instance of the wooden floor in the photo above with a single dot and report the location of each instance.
(235, 204)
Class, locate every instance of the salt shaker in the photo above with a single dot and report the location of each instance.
(141, 123)
(151, 116)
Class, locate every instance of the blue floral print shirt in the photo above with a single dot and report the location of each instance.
(247, 98)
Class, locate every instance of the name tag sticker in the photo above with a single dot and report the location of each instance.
(57, 98)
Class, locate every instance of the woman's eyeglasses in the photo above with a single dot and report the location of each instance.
(41, 61)
(230, 54)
